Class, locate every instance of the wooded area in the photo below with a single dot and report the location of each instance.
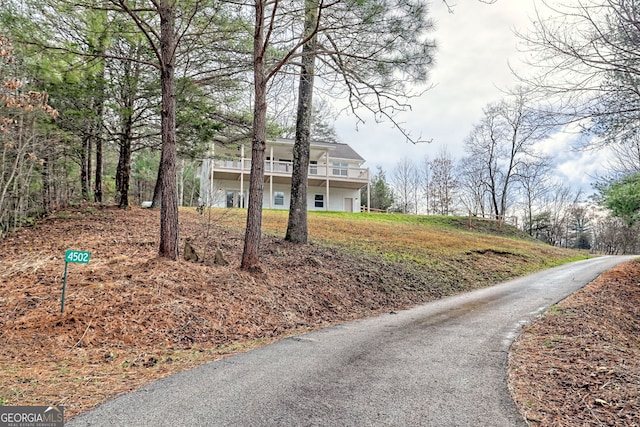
(140, 86)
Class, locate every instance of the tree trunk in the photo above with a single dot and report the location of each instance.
(98, 99)
(97, 195)
(297, 227)
(85, 159)
(250, 254)
(169, 204)
(97, 136)
(123, 172)
(46, 182)
(157, 189)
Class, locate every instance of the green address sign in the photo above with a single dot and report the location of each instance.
(72, 255)
(81, 257)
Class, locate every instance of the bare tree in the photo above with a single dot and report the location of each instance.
(626, 157)
(426, 178)
(443, 183)
(535, 183)
(585, 59)
(405, 181)
(551, 224)
(474, 192)
(504, 142)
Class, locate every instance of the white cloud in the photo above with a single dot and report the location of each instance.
(476, 46)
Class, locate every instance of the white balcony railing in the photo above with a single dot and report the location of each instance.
(286, 169)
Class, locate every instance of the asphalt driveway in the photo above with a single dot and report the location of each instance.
(440, 364)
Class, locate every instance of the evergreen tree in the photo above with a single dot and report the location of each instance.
(381, 193)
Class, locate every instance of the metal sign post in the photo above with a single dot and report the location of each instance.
(72, 255)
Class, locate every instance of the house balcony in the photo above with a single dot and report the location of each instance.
(338, 175)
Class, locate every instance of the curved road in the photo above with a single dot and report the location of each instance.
(441, 364)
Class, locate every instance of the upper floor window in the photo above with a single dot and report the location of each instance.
(313, 167)
(340, 168)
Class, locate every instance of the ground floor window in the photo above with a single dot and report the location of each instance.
(278, 198)
(319, 201)
(235, 199)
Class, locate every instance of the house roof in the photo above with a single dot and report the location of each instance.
(338, 150)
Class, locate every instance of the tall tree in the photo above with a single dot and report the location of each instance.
(297, 230)
(156, 21)
(472, 176)
(271, 20)
(426, 180)
(535, 183)
(443, 183)
(368, 45)
(166, 55)
(374, 70)
(504, 141)
(75, 82)
(405, 180)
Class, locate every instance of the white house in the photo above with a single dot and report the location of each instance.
(334, 183)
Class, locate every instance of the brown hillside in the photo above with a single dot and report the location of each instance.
(131, 318)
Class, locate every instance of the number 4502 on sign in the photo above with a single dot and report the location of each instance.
(81, 257)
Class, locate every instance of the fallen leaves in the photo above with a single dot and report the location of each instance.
(591, 374)
(131, 318)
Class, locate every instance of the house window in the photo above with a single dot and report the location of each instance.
(340, 168)
(235, 199)
(285, 165)
(278, 198)
(313, 167)
(319, 201)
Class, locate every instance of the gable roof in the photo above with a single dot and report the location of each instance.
(340, 151)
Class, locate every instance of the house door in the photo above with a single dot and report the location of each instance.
(348, 204)
(231, 198)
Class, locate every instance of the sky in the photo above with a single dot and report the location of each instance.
(477, 45)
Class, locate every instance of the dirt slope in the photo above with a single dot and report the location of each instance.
(131, 318)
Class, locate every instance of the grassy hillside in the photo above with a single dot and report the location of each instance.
(442, 248)
(130, 317)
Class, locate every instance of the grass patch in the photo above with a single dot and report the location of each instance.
(428, 241)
